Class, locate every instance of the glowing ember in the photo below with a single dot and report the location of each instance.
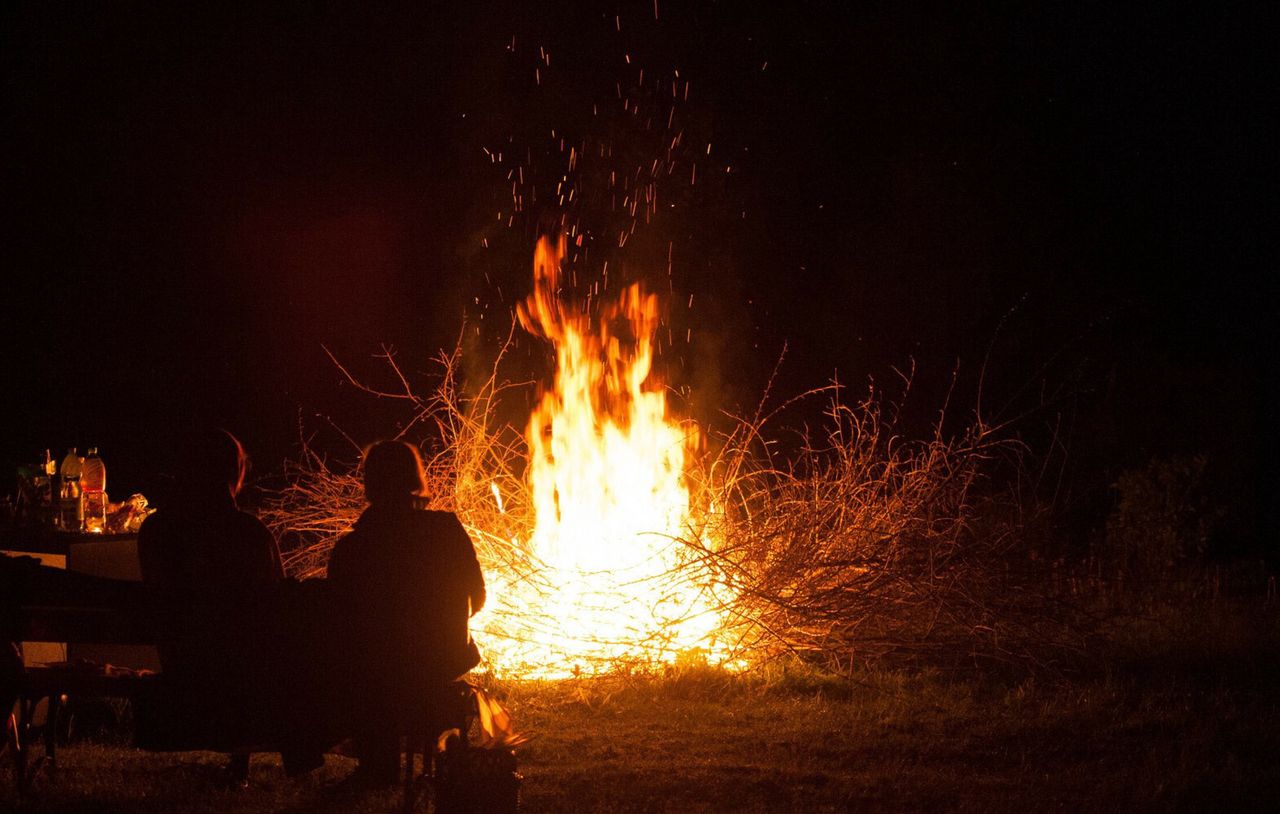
(607, 481)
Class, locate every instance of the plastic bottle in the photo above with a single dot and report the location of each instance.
(70, 517)
(93, 490)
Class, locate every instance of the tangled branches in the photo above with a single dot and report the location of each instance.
(473, 467)
(862, 544)
(867, 545)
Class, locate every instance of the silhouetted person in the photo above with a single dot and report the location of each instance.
(406, 581)
(215, 571)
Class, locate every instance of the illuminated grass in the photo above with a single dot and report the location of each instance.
(1186, 721)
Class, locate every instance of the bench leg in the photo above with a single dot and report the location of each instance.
(23, 771)
(418, 785)
(21, 725)
(13, 738)
(51, 733)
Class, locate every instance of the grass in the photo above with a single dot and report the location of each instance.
(1175, 717)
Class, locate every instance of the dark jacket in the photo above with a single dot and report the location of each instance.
(407, 581)
(215, 576)
(211, 567)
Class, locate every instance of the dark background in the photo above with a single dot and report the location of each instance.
(1077, 199)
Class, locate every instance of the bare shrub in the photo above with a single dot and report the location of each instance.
(863, 544)
(466, 455)
(870, 545)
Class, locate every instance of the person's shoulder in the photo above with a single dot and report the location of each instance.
(152, 521)
(160, 537)
(251, 523)
(437, 519)
(158, 522)
(445, 528)
(248, 531)
(438, 515)
(345, 542)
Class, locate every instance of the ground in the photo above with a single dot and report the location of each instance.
(1180, 719)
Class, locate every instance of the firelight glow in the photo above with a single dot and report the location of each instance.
(606, 475)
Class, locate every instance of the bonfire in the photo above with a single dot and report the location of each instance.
(617, 535)
(614, 537)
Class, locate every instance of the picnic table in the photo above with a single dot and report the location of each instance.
(114, 556)
(56, 605)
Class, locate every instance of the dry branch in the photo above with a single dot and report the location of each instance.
(863, 545)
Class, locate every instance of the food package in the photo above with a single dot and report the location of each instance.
(126, 517)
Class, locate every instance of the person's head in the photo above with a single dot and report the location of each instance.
(393, 473)
(213, 466)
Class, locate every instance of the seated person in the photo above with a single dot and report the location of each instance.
(215, 571)
(406, 582)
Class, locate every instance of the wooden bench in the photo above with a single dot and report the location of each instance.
(57, 605)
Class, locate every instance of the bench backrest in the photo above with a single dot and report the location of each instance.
(44, 604)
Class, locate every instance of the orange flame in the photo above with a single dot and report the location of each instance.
(607, 479)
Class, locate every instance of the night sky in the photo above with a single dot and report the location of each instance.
(1079, 195)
